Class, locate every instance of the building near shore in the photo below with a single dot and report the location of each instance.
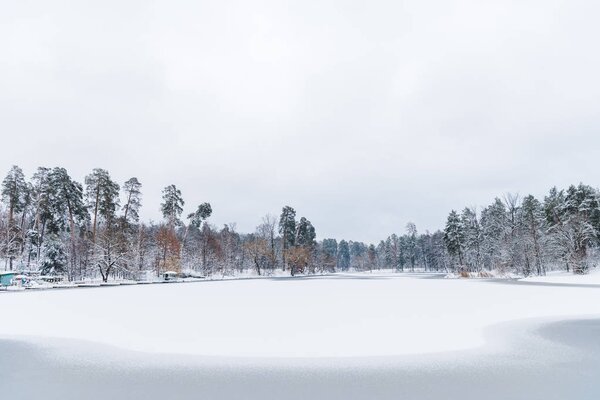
(6, 278)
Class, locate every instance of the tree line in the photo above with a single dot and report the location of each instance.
(56, 225)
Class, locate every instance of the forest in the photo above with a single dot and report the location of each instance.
(55, 225)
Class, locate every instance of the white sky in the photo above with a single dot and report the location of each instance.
(363, 115)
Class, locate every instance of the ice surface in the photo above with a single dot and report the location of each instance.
(343, 315)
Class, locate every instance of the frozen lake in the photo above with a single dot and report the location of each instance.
(325, 338)
(564, 364)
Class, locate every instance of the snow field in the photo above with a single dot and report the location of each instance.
(343, 315)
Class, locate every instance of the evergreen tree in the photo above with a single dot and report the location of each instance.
(196, 218)
(133, 203)
(454, 237)
(411, 244)
(66, 201)
(41, 197)
(358, 252)
(389, 255)
(67, 208)
(53, 257)
(287, 226)
(472, 238)
(344, 255)
(172, 205)
(371, 257)
(494, 225)
(579, 225)
(403, 251)
(330, 253)
(203, 212)
(102, 195)
(535, 227)
(287, 229)
(14, 193)
(305, 233)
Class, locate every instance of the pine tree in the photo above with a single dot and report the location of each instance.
(172, 205)
(535, 227)
(580, 224)
(330, 253)
(454, 237)
(344, 255)
(494, 225)
(411, 244)
(395, 251)
(15, 194)
(133, 203)
(203, 212)
(472, 238)
(305, 233)
(389, 255)
(371, 257)
(53, 257)
(357, 255)
(287, 229)
(102, 195)
(196, 219)
(41, 192)
(403, 252)
(67, 208)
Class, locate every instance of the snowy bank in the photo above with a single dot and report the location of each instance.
(563, 277)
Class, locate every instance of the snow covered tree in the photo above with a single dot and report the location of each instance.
(102, 195)
(172, 205)
(203, 212)
(494, 225)
(575, 223)
(472, 238)
(41, 193)
(54, 257)
(305, 233)
(439, 252)
(133, 200)
(196, 219)
(109, 254)
(454, 237)
(169, 250)
(287, 229)
(371, 257)
(330, 254)
(411, 244)
(344, 255)
(66, 202)
(68, 210)
(168, 243)
(358, 252)
(260, 252)
(266, 230)
(15, 194)
(298, 258)
(532, 215)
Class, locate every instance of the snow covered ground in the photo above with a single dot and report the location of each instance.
(342, 315)
(592, 278)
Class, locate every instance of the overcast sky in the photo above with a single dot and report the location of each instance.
(362, 115)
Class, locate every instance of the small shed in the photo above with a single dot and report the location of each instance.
(6, 278)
